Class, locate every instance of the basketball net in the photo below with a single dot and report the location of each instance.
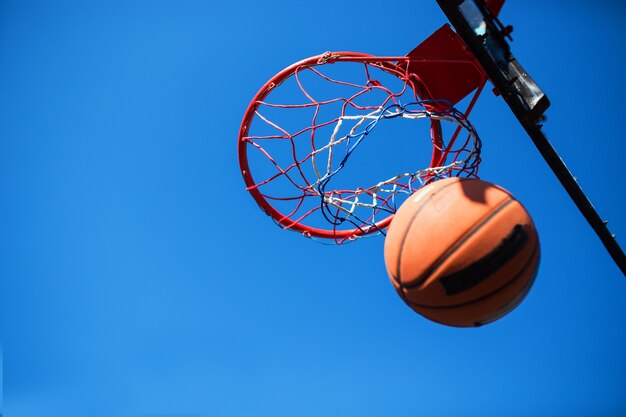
(306, 126)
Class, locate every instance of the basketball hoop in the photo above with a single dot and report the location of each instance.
(302, 130)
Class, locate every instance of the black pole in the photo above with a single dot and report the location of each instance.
(576, 193)
(486, 38)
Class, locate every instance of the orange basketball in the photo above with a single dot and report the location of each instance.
(462, 252)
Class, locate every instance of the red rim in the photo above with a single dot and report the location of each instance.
(249, 115)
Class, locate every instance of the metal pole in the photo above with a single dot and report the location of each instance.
(503, 72)
(576, 193)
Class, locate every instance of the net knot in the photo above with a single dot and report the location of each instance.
(326, 56)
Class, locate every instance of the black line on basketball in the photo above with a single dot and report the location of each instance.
(474, 274)
(453, 248)
(522, 294)
(530, 260)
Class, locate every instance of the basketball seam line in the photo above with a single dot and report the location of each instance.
(398, 278)
(473, 274)
(509, 282)
(519, 297)
(455, 246)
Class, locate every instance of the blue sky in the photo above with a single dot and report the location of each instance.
(140, 279)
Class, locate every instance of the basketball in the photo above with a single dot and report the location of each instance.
(462, 252)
